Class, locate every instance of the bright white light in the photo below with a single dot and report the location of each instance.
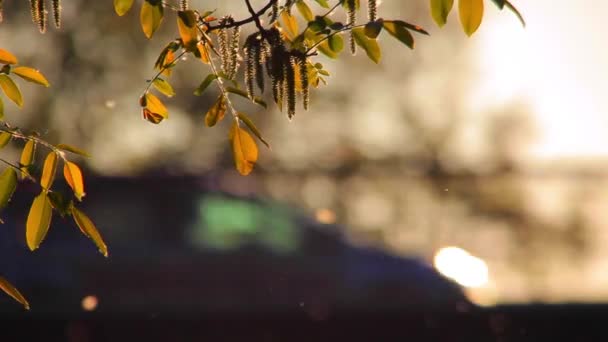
(462, 267)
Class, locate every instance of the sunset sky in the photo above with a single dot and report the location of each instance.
(557, 65)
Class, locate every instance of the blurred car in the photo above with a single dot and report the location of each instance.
(178, 248)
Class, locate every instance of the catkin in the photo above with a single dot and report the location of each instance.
(0, 11)
(41, 16)
(290, 85)
(303, 68)
(352, 21)
(183, 5)
(56, 5)
(34, 10)
(274, 12)
(251, 49)
(262, 54)
(222, 37)
(233, 63)
(372, 10)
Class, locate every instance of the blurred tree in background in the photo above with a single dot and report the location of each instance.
(392, 151)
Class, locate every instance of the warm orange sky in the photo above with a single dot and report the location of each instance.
(558, 64)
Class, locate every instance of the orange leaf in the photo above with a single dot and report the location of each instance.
(13, 292)
(73, 176)
(244, 148)
(7, 57)
(31, 75)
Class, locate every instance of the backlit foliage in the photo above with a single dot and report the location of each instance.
(42, 171)
(280, 60)
(289, 36)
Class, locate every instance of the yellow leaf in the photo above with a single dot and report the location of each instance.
(11, 90)
(169, 58)
(7, 57)
(38, 221)
(27, 156)
(5, 137)
(1, 109)
(163, 86)
(290, 23)
(244, 148)
(122, 6)
(48, 171)
(155, 105)
(202, 49)
(150, 16)
(13, 292)
(31, 75)
(73, 176)
(216, 112)
(8, 184)
(73, 149)
(440, 10)
(471, 13)
(247, 121)
(87, 227)
(186, 24)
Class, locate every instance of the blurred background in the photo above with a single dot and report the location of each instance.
(485, 158)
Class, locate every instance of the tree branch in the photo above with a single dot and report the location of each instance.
(255, 16)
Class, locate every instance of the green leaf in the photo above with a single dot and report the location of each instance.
(335, 43)
(471, 14)
(75, 150)
(371, 47)
(8, 185)
(163, 86)
(7, 57)
(122, 6)
(304, 10)
(247, 121)
(87, 227)
(5, 137)
(151, 16)
(440, 10)
(256, 99)
(398, 30)
(30, 75)
(11, 90)
(205, 84)
(373, 29)
(216, 113)
(323, 3)
(13, 292)
(38, 221)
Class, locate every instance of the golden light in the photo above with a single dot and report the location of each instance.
(459, 265)
(89, 303)
(325, 216)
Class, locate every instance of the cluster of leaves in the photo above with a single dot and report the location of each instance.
(470, 12)
(280, 52)
(49, 200)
